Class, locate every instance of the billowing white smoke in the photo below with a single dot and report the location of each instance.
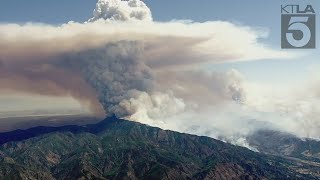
(148, 108)
(120, 10)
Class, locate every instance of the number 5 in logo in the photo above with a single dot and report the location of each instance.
(298, 31)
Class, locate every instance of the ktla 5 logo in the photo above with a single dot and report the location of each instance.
(298, 27)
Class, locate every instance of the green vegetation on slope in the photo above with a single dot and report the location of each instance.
(119, 149)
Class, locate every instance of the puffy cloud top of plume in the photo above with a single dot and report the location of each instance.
(121, 62)
(121, 10)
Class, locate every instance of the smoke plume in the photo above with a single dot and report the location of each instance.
(121, 62)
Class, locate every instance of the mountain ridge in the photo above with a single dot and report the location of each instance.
(120, 149)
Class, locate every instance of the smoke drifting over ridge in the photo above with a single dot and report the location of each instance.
(122, 62)
(46, 79)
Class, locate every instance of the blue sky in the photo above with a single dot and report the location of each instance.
(255, 13)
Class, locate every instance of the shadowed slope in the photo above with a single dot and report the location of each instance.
(119, 149)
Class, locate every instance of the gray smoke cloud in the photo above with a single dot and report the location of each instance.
(47, 79)
(121, 60)
(114, 70)
(196, 86)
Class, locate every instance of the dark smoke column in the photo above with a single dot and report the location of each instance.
(116, 72)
